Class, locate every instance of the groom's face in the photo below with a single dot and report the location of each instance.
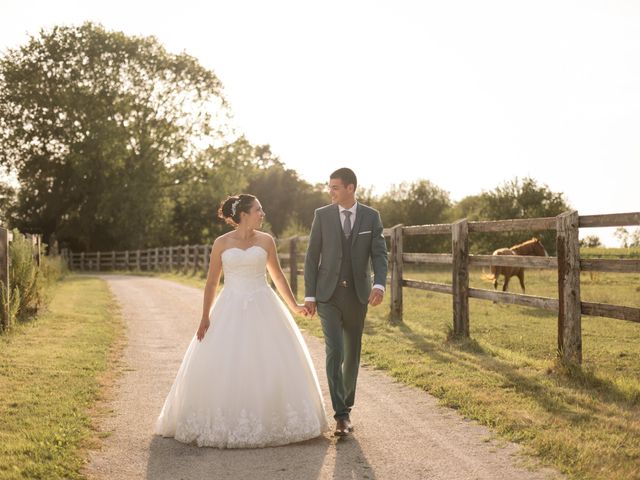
(339, 192)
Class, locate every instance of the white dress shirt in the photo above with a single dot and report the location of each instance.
(343, 216)
(341, 209)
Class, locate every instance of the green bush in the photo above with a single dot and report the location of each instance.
(28, 282)
(53, 269)
(8, 318)
(24, 275)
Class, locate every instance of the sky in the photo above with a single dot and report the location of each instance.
(463, 93)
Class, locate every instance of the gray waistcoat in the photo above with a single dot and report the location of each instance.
(346, 270)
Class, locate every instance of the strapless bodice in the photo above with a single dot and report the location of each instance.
(244, 268)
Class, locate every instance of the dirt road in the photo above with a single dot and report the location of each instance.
(401, 432)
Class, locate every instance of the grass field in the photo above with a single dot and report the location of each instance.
(585, 422)
(603, 252)
(50, 375)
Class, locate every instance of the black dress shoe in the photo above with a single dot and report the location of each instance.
(349, 425)
(342, 428)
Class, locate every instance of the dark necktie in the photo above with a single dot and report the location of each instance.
(346, 226)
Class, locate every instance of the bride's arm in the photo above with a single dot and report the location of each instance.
(280, 281)
(213, 278)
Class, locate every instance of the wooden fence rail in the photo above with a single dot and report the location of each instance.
(183, 258)
(568, 264)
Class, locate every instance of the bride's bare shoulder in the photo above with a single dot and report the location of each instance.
(265, 239)
(221, 241)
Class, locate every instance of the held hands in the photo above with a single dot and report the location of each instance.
(311, 307)
(375, 297)
(301, 309)
(202, 329)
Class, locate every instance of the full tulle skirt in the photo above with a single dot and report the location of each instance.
(249, 383)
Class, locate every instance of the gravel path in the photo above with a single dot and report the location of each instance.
(401, 432)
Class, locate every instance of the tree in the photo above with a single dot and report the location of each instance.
(7, 202)
(91, 121)
(470, 207)
(418, 203)
(199, 187)
(591, 241)
(523, 199)
(288, 200)
(628, 239)
(514, 199)
(622, 234)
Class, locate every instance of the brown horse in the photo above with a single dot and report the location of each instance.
(530, 247)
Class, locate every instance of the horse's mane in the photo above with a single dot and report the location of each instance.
(525, 246)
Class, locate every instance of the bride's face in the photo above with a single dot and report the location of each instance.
(256, 215)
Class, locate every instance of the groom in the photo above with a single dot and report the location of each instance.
(346, 238)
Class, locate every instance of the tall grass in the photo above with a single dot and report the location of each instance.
(28, 282)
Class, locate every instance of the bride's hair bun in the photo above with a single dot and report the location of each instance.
(232, 206)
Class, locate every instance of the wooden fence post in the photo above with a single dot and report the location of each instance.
(170, 258)
(569, 311)
(138, 260)
(82, 261)
(196, 258)
(185, 259)
(460, 277)
(156, 262)
(126, 260)
(38, 249)
(207, 259)
(205, 263)
(4, 274)
(293, 265)
(98, 261)
(113, 260)
(396, 274)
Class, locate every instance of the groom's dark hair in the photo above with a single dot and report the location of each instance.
(346, 175)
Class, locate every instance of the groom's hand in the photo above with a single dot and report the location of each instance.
(311, 307)
(375, 297)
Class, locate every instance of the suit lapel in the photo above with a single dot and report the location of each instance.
(356, 226)
(338, 226)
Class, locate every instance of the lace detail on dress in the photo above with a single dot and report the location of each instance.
(248, 431)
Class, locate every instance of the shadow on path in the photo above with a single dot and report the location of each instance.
(172, 460)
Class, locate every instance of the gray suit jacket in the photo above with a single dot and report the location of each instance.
(324, 255)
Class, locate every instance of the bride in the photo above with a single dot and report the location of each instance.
(247, 379)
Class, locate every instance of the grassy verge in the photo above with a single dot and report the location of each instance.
(50, 371)
(585, 422)
(603, 252)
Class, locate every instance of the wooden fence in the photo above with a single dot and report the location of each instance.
(567, 262)
(6, 237)
(570, 308)
(183, 258)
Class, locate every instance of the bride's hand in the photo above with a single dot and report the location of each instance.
(300, 310)
(202, 329)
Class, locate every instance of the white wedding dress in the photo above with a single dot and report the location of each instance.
(250, 382)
